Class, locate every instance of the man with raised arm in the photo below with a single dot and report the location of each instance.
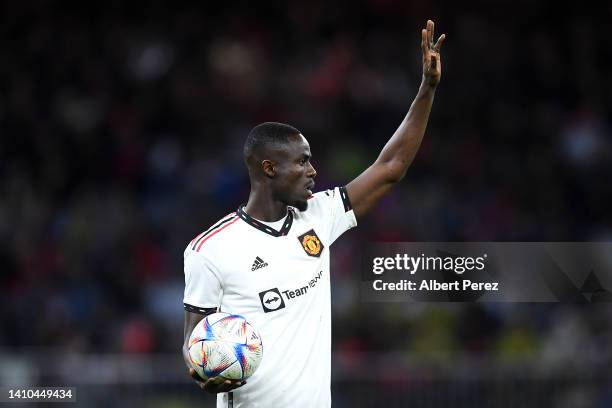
(269, 260)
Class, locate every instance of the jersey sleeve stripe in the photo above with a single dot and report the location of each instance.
(199, 310)
(216, 232)
(197, 239)
(222, 220)
(345, 199)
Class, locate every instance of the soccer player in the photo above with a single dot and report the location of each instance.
(269, 260)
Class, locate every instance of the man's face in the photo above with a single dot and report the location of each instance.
(295, 174)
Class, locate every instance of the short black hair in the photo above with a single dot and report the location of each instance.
(268, 134)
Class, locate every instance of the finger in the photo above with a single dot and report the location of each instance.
(225, 386)
(439, 43)
(430, 33)
(424, 45)
(229, 385)
(237, 385)
(212, 383)
(194, 374)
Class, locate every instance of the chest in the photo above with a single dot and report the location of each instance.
(290, 266)
(259, 260)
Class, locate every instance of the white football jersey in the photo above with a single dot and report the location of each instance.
(279, 281)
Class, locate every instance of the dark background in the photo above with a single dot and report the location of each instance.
(121, 131)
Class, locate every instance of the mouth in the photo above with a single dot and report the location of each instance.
(309, 188)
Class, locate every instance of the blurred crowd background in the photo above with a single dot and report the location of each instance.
(121, 132)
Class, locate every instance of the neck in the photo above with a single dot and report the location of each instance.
(263, 207)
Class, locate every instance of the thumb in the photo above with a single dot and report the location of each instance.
(194, 374)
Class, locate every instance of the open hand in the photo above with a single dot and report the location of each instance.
(432, 65)
(215, 385)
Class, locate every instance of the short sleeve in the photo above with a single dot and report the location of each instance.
(202, 283)
(337, 205)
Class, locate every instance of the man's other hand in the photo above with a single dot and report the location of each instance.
(215, 385)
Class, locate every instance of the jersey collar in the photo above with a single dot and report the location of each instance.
(263, 227)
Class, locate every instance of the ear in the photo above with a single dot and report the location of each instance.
(268, 168)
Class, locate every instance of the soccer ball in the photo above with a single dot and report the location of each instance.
(225, 345)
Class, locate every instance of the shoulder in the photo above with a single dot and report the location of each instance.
(328, 198)
(221, 230)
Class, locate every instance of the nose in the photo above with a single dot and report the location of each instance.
(311, 171)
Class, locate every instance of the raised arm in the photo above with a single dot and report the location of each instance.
(397, 155)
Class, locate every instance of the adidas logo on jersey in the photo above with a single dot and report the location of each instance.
(258, 263)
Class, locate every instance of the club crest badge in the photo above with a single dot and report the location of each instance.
(311, 243)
